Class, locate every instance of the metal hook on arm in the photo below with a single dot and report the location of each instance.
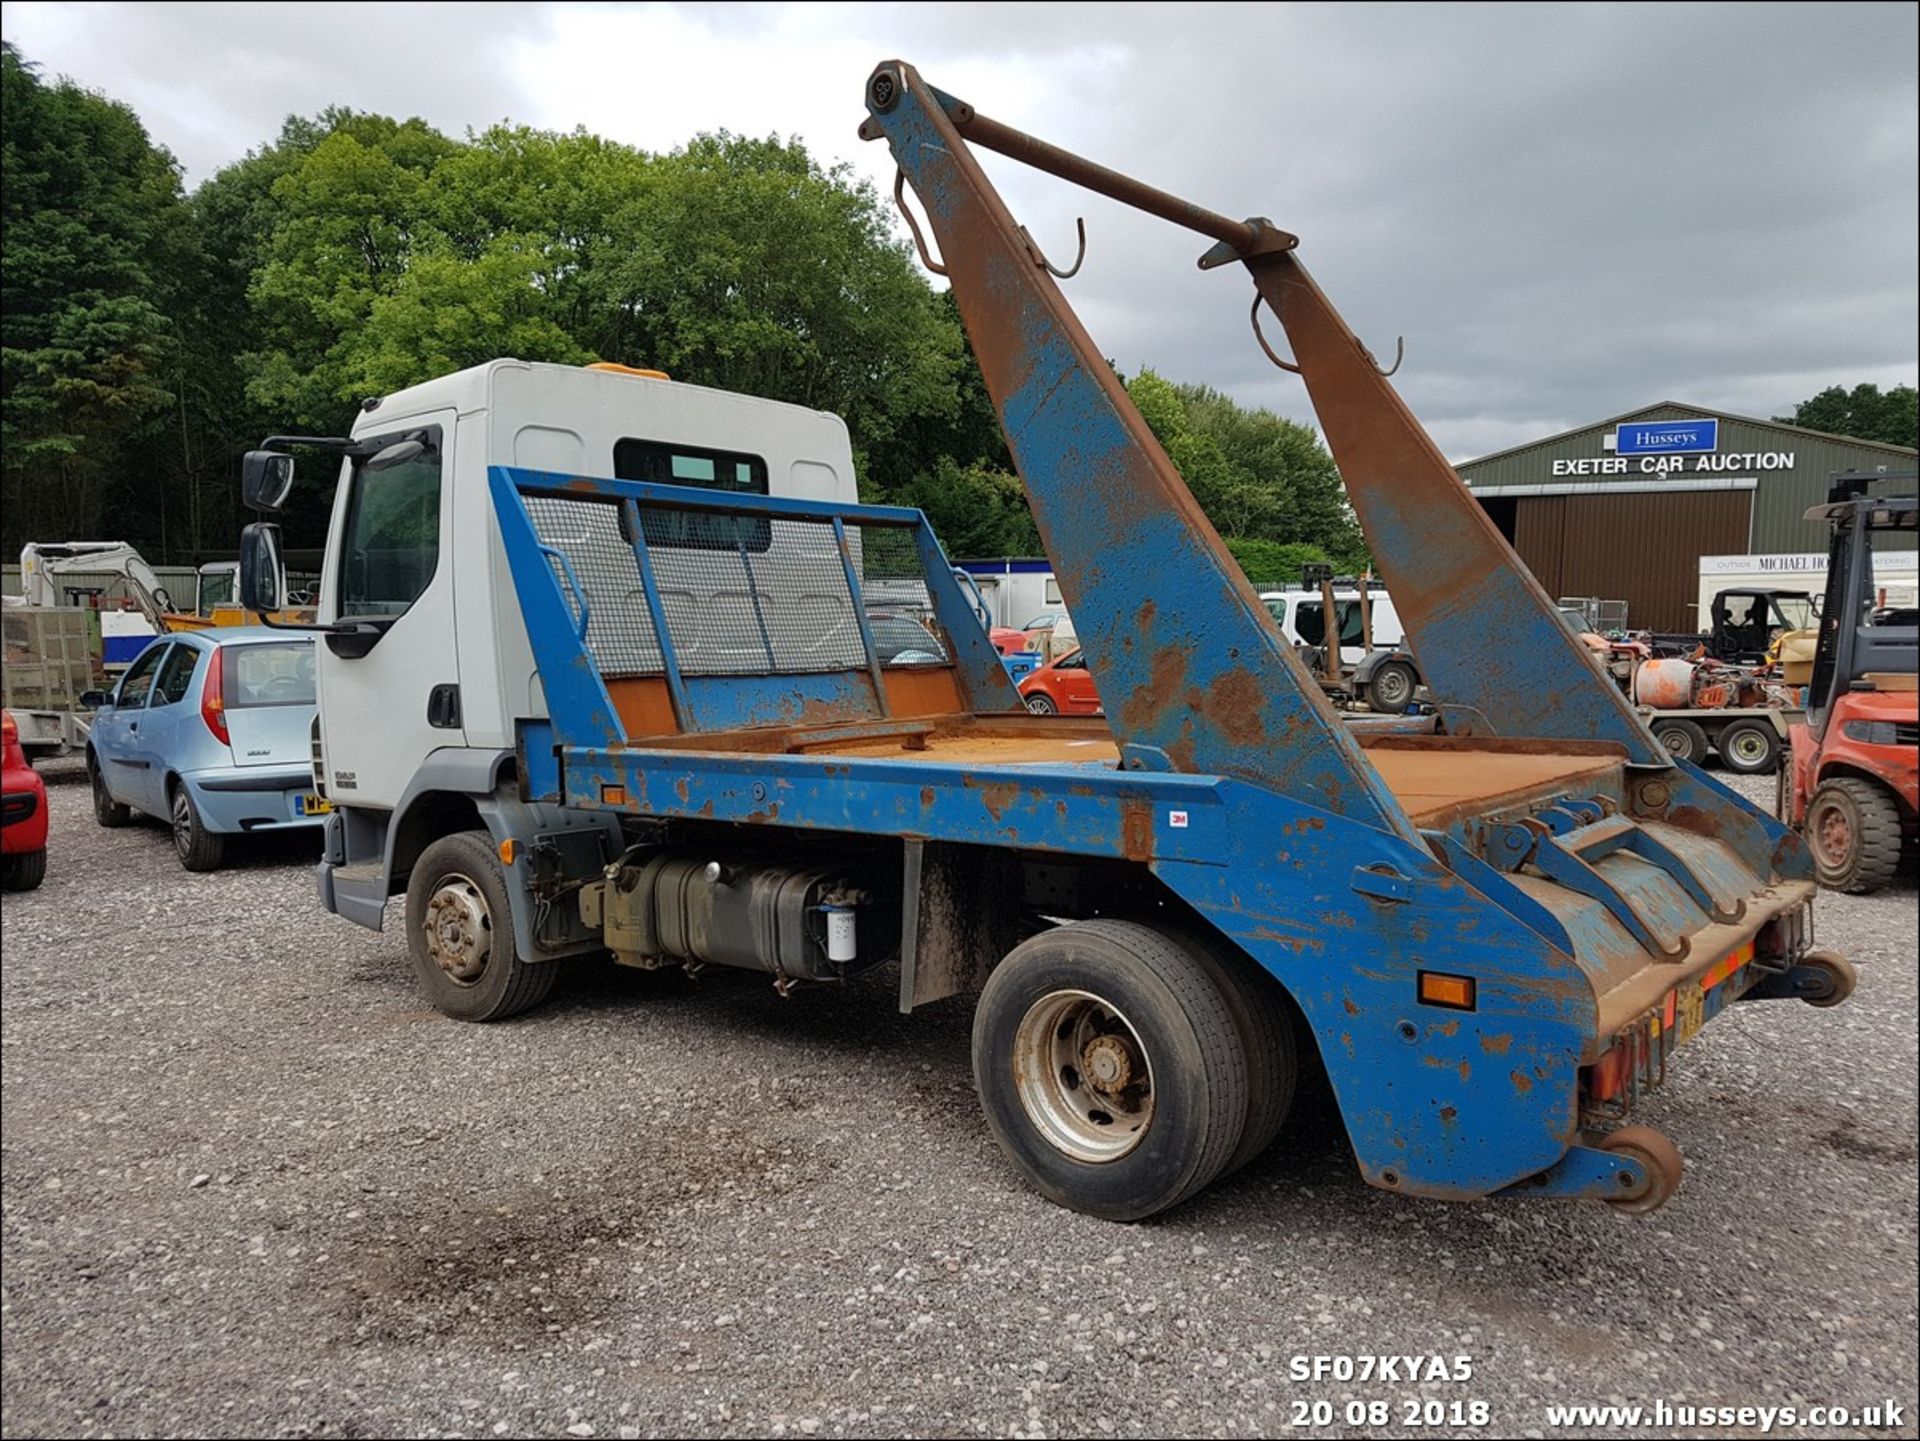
(920, 244)
(1399, 354)
(1254, 316)
(1040, 259)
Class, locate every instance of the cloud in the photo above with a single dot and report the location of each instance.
(1569, 211)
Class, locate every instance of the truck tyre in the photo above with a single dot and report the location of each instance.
(1853, 830)
(106, 810)
(1391, 690)
(1749, 748)
(199, 849)
(1110, 1067)
(460, 933)
(1259, 1009)
(23, 870)
(1684, 740)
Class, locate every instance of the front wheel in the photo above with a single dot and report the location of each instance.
(1750, 748)
(1853, 830)
(1683, 739)
(460, 933)
(1111, 1067)
(1391, 690)
(1040, 703)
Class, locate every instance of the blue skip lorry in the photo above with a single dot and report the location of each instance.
(598, 673)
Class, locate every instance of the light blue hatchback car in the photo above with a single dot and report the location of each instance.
(210, 731)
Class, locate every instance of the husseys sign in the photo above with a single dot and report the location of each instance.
(1670, 447)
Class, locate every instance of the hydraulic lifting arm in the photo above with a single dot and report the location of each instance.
(1195, 674)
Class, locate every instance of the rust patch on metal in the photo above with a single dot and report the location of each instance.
(1346, 1039)
(926, 798)
(1449, 1028)
(1352, 1009)
(1165, 683)
(1522, 1082)
(1497, 1045)
(1448, 1115)
(1234, 703)
(998, 796)
(1136, 830)
(682, 790)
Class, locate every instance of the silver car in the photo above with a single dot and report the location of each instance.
(210, 731)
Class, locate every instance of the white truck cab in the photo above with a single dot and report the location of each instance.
(417, 706)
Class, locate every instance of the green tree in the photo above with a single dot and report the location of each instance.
(976, 509)
(1272, 564)
(91, 220)
(1258, 476)
(1864, 413)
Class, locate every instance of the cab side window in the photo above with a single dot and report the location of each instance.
(392, 545)
(175, 675)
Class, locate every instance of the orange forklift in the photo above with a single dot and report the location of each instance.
(1853, 787)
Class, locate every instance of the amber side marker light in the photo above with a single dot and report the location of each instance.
(507, 850)
(1439, 989)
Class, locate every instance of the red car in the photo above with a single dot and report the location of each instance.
(23, 814)
(1009, 641)
(1063, 688)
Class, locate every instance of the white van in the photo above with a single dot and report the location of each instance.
(1299, 613)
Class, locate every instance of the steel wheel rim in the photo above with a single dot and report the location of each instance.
(459, 929)
(1678, 744)
(182, 813)
(1831, 832)
(1391, 685)
(1749, 747)
(1083, 1076)
(1039, 705)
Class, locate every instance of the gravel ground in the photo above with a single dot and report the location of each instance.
(253, 1187)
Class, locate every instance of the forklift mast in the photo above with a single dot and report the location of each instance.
(1851, 646)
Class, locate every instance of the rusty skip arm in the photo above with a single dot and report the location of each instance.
(1487, 637)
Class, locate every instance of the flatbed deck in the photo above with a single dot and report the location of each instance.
(1435, 778)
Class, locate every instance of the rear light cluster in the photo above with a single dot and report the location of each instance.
(1882, 733)
(9, 728)
(213, 697)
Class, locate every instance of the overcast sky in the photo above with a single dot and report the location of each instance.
(1569, 211)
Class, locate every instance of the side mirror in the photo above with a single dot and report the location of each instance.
(266, 479)
(260, 569)
(95, 699)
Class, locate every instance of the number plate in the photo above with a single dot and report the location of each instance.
(1689, 1012)
(311, 805)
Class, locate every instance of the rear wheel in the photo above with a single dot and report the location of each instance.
(1658, 1156)
(1040, 703)
(1111, 1067)
(1840, 973)
(1259, 1009)
(1391, 689)
(1750, 748)
(199, 849)
(23, 870)
(1684, 740)
(460, 933)
(106, 810)
(1853, 830)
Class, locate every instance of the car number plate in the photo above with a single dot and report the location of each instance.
(1689, 1012)
(311, 805)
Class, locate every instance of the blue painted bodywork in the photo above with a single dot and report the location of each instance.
(1579, 903)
